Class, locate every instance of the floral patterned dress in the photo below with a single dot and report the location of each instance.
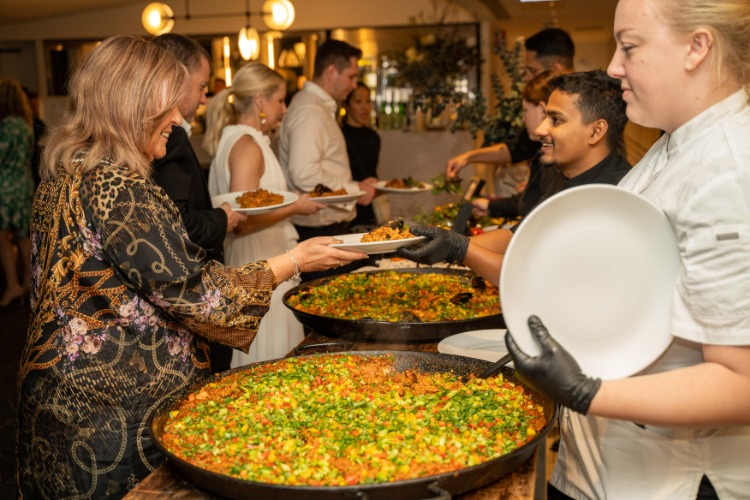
(122, 305)
(16, 179)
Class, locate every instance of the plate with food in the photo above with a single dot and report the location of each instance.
(598, 265)
(403, 185)
(383, 239)
(255, 202)
(323, 194)
(488, 345)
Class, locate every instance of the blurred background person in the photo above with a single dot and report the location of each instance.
(240, 119)
(362, 145)
(16, 189)
(40, 128)
(218, 85)
(312, 148)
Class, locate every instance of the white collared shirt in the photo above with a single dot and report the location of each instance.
(312, 150)
(188, 128)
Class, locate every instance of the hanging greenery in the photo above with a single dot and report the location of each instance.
(504, 121)
(437, 61)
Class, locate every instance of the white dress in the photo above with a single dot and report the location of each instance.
(279, 331)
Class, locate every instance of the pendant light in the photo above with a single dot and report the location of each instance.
(278, 14)
(158, 18)
(248, 41)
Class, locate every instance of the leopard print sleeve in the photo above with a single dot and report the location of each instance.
(140, 232)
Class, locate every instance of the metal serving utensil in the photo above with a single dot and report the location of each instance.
(492, 369)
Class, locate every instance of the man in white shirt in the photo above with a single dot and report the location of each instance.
(312, 148)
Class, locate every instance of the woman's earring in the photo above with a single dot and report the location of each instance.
(263, 118)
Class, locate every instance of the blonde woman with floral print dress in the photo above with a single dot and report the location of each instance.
(122, 302)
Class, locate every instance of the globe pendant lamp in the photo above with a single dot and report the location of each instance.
(278, 14)
(157, 18)
(249, 43)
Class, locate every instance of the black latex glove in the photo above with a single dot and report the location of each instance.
(554, 372)
(440, 245)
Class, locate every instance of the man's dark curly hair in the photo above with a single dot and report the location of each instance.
(598, 96)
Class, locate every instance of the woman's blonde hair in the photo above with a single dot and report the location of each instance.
(728, 20)
(13, 101)
(225, 107)
(117, 97)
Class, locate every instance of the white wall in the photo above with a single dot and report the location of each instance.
(18, 61)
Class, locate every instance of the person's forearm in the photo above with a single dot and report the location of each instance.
(497, 153)
(497, 240)
(485, 262)
(283, 266)
(255, 223)
(707, 394)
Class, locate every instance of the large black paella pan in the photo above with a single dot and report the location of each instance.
(408, 327)
(439, 485)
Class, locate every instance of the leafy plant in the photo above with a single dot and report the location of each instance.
(441, 184)
(438, 60)
(503, 122)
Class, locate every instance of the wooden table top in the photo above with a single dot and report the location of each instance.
(522, 483)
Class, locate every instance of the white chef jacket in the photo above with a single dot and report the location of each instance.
(312, 150)
(700, 177)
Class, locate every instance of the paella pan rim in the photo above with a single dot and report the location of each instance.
(385, 331)
(455, 482)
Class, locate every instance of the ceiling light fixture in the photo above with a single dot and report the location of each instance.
(158, 18)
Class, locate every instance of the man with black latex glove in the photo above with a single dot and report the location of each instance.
(441, 245)
(585, 117)
(554, 372)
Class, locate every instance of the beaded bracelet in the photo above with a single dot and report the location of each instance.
(296, 275)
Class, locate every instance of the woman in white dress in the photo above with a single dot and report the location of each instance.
(238, 122)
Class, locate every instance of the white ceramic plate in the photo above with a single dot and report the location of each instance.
(380, 185)
(352, 242)
(488, 345)
(598, 265)
(231, 198)
(341, 198)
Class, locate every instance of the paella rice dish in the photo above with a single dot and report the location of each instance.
(259, 198)
(400, 297)
(387, 233)
(323, 190)
(343, 419)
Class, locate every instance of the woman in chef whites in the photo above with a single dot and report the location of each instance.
(682, 425)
